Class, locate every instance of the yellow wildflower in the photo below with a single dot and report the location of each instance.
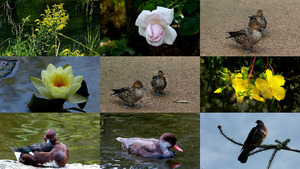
(271, 86)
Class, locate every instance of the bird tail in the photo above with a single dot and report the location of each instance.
(243, 157)
(116, 91)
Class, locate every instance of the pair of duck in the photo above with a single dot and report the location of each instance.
(49, 153)
(248, 37)
(130, 95)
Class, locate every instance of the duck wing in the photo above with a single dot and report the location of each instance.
(243, 32)
(122, 90)
(40, 147)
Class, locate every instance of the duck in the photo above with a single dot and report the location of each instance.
(259, 17)
(151, 148)
(159, 83)
(48, 154)
(130, 95)
(247, 37)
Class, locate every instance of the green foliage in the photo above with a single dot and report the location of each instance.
(187, 13)
(44, 40)
(115, 47)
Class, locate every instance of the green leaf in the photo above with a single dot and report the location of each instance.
(149, 7)
(66, 65)
(37, 104)
(161, 3)
(36, 82)
(76, 98)
(189, 26)
(189, 8)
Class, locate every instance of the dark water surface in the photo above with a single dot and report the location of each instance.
(78, 24)
(79, 132)
(186, 127)
(17, 89)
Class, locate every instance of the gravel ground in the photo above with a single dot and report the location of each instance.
(183, 78)
(218, 17)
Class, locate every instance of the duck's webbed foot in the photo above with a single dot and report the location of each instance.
(136, 107)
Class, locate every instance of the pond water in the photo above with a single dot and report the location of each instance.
(186, 127)
(78, 25)
(79, 132)
(17, 89)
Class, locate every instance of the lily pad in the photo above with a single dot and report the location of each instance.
(37, 104)
(83, 91)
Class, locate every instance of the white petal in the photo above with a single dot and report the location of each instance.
(50, 68)
(78, 79)
(142, 31)
(167, 13)
(170, 35)
(73, 88)
(44, 92)
(45, 74)
(36, 82)
(141, 21)
(68, 69)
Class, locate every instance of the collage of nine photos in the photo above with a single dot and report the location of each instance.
(88, 84)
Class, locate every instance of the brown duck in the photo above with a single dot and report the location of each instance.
(259, 17)
(247, 37)
(151, 148)
(130, 95)
(159, 83)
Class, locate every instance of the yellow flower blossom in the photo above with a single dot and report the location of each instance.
(59, 83)
(271, 86)
(242, 89)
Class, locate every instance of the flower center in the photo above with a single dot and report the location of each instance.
(59, 81)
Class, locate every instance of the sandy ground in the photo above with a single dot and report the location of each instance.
(183, 78)
(282, 37)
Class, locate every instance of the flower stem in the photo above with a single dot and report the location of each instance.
(172, 4)
(97, 54)
(251, 69)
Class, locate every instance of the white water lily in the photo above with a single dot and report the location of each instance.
(155, 26)
(59, 83)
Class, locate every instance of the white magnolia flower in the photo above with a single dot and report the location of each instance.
(155, 26)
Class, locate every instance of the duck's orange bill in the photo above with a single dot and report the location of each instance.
(177, 148)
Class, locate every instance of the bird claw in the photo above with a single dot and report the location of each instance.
(248, 51)
(125, 106)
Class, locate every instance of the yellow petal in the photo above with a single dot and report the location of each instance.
(279, 93)
(269, 74)
(258, 98)
(278, 80)
(264, 88)
(219, 90)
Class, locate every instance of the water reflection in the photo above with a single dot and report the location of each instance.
(79, 132)
(186, 127)
(15, 92)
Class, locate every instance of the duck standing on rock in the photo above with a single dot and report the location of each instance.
(159, 83)
(151, 148)
(247, 37)
(130, 95)
(49, 154)
(259, 17)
